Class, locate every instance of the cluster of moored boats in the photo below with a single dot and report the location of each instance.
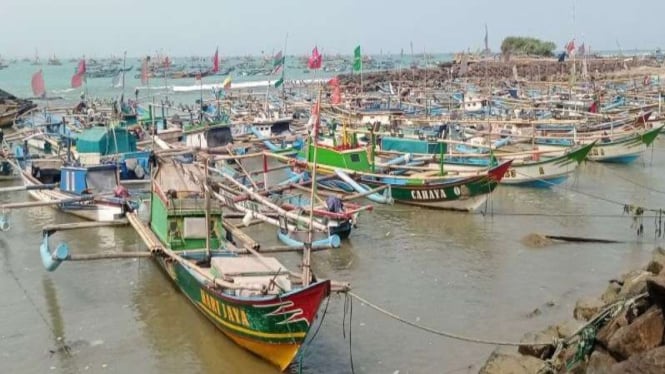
(189, 178)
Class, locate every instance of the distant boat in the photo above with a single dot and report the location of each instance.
(54, 61)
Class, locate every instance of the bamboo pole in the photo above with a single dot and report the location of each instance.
(108, 256)
(84, 225)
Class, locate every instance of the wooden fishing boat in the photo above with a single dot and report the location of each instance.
(11, 107)
(256, 302)
(423, 186)
(530, 168)
(252, 299)
(626, 150)
(90, 192)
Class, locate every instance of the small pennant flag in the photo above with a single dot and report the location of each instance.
(279, 82)
(79, 75)
(277, 63)
(570, 47)
(357, 59)
(145, 76)
(38, 87)
(315, 59)
(215, 61)
(227, 83)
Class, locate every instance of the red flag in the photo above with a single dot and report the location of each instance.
(77, 80)
(144, 71)
(315, 59)
(594, 107)
(80, 69)
(336, 96)
(38, 88)
(334, 81)
(570, 47)
(215, 61)
(167, 62)
(79, 75)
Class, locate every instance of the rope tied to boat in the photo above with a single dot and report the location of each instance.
(608, 313)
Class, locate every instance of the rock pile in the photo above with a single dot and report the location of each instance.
(630, 340)
(488, 71)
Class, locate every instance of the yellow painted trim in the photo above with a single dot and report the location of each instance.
(248, 331)
(280, 355)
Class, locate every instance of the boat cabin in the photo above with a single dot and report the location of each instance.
(355, 158)
(426, 145)
(99, 141)
(209, 137)
(273, 128)
(177, 209)
(89, 180)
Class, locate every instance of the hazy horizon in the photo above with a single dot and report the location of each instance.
(72, 28)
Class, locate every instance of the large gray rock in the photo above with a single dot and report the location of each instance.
(644, 333)
(539, 351)
(507, 361)
(587, 307)
(600, 362)
(651, 362)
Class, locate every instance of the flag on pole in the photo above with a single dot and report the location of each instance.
(277, 63)
(167, 62)
(197, 77)
(570, 46)
(581, 50)
(227, 83)
(79, 75)
(315, 59)
(38, 87)
(117, 80)
(486, 40)
(336, 97)
(279, 82)
(145, 76)
(357, 60)
(215, 61)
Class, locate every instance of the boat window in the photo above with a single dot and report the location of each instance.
(195, 228)
(355, 157)
(98, 181)
(219, 137)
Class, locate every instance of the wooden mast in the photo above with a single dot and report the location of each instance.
(307, 250)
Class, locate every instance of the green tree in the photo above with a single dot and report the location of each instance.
(518, 45)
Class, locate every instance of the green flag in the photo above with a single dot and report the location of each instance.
(357, 60)
(279, 82)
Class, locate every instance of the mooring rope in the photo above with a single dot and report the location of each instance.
(607, 313)
(613, 172)
(445, 333)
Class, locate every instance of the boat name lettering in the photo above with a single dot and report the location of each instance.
(227, 312)
(434, 194)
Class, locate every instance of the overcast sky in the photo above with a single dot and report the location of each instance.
(183, 28)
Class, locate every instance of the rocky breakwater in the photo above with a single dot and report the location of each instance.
(619, 332)
(493, 70)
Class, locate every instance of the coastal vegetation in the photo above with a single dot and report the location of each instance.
(519, 45)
